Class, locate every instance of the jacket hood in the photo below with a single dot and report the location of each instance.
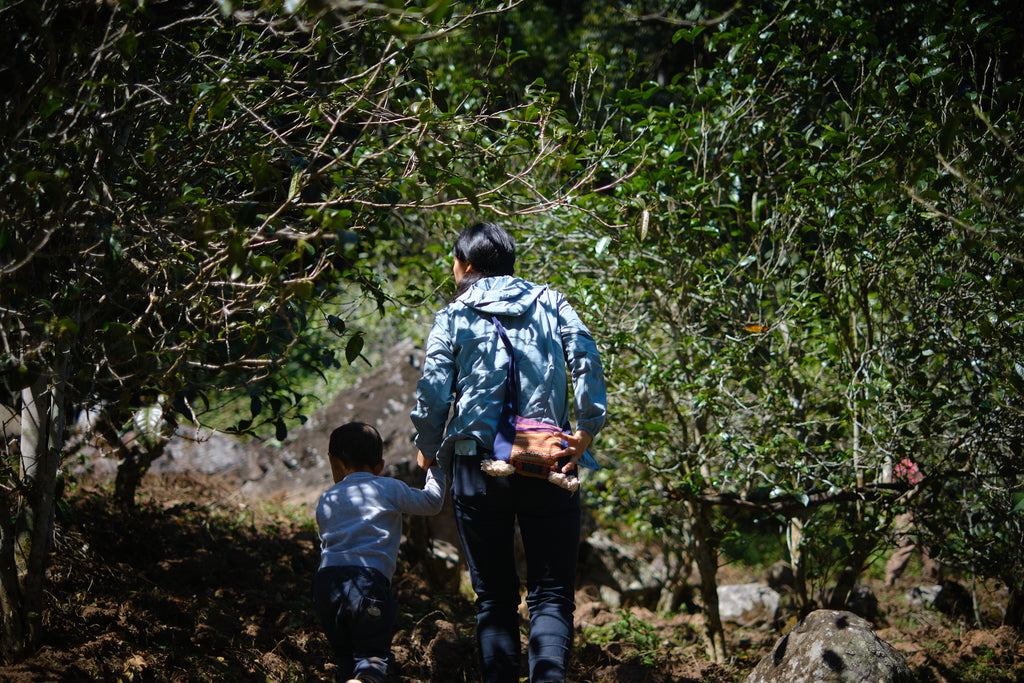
(501, 295)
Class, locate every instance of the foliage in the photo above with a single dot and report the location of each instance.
(167, 270)
(806, 274)
(630, 630)
(790, 225)
(189, 189)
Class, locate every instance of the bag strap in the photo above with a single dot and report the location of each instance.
(505, 435)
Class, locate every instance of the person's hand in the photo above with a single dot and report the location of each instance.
(578, 443)
(423, 461)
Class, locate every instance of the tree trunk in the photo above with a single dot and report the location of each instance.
(135, 459)
(794, 544)
(678, 593)
(849, 575)
(1014, 616)
(705, 546)
(133, 467)
(26, 532)
(13, 639)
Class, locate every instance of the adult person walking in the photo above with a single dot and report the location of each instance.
(466, 364)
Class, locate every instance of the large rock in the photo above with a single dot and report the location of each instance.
(621, 576)
(780, 577)
(831, 647)
(748, 604)
(207, 452)
(297, 472)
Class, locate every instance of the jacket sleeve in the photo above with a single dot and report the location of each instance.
(434, 391)
(589, 398)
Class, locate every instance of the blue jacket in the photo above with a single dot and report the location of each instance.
(466, 364)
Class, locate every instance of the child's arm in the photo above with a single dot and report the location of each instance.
(429, 499)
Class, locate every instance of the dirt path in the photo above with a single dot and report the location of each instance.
(197, 586)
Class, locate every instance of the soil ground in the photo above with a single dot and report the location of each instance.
(195, 586)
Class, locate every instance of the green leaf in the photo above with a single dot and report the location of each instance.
(296, 185)
(148, 423)
(303, 289)
(336, 325)
(354, 348)
(64, 326)
(467, 191)
(688, 34)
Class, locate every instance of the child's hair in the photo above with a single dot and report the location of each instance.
(357, 445)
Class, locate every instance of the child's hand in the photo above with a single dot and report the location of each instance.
(423, 461)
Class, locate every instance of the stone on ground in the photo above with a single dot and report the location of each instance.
(831, 646)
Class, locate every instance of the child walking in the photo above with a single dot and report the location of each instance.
(360, 525)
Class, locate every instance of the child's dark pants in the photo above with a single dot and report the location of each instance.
(358, 613)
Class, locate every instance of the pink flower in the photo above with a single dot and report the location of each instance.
(907, 469)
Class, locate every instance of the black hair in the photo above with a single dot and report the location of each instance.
(488, 248)
(356, 445)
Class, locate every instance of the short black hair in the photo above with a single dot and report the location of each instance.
(356, 445)
(488, 248)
